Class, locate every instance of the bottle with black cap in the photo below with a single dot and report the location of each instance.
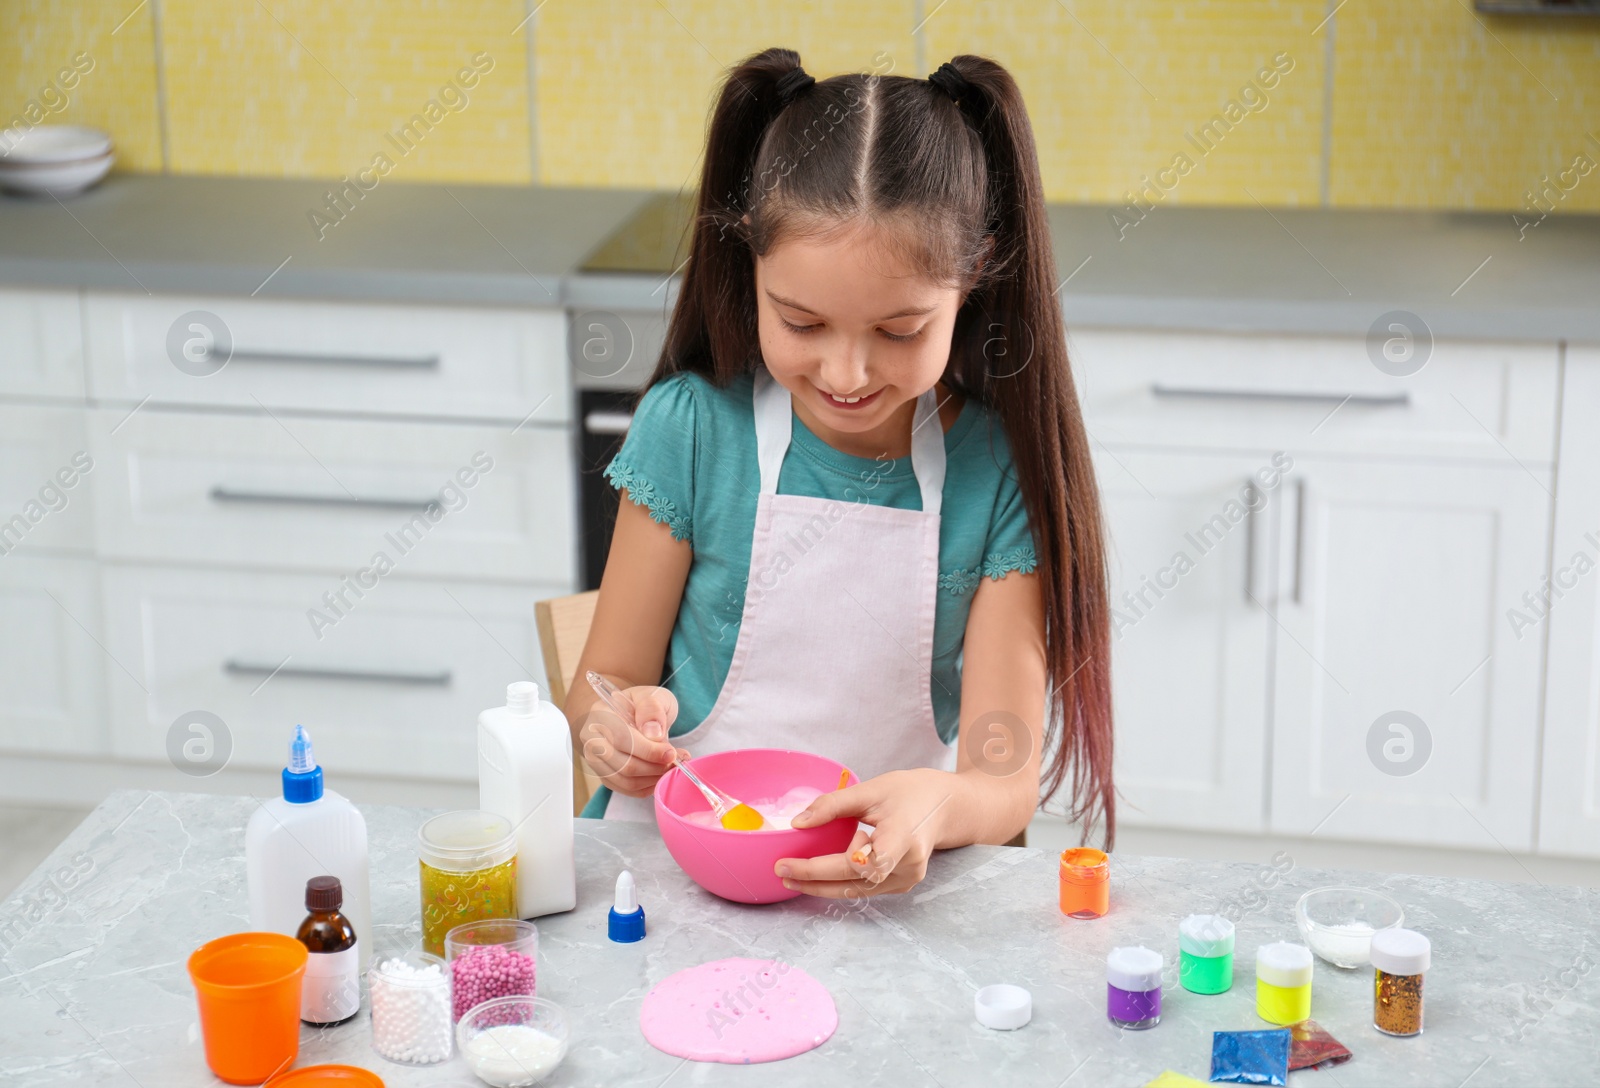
(331, 989)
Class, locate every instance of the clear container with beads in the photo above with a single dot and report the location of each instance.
(409, 997)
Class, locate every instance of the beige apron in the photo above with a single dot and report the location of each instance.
(835, 647)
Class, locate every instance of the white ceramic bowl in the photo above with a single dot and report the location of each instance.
(55, 144)
(61, 178)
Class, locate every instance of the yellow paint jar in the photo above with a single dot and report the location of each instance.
(1283, 982)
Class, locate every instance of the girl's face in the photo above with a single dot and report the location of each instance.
(855, 335)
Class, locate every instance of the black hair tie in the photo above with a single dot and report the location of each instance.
(950, 81)
(792, 83)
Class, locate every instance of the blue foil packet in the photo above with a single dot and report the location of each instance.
(1251, 1057)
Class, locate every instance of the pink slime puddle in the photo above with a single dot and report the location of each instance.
(738, 1011)
(777, 812)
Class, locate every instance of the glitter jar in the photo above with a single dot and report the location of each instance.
(410, 1001)
(1400, 957)
(468, 862)
(1205, 953)
(489, 959)
(1085, 882)
(1133, 987)
(1283, 982)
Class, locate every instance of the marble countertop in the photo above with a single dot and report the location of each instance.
(94, 989)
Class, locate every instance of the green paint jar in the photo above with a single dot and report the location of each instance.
(1205, 953)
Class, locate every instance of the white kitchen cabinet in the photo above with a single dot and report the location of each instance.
(1406, 709)
(47, 479)
(393, 687)
(52, 666)
(41, 344)
(1567, 611)
(346, 358)
(253, 491)
(1189, 561)
(1316, 394)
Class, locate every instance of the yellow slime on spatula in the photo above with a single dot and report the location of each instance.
(742, 817)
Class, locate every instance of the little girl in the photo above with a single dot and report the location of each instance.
(861, 516)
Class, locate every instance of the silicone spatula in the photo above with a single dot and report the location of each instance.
(733, 813)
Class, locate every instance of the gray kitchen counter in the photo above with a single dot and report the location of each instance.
(95, 990)
(1253, 269)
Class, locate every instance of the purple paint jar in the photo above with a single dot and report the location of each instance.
(1133, 987)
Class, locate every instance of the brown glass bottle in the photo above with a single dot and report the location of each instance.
(331, 992)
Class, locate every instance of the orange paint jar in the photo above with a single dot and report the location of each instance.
(1085, 882)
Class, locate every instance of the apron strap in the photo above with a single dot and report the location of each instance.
(774, 418)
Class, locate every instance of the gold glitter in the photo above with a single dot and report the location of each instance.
(1397, 1003)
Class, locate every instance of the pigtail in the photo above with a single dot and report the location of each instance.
(716, 281)
(1010, 352)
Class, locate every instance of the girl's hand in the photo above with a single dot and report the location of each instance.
(630, 759)
(903, 807)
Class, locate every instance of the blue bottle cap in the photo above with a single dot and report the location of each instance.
(302, 778)
(625, 923)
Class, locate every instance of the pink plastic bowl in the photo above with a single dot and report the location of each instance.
(738, 865)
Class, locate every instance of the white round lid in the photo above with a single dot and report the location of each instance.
(57, 144)
(1136, 968)
(1401, 952)
(1205, 935)
(1284, 964)
(1003, 1007)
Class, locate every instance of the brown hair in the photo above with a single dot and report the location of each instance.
(958, 183)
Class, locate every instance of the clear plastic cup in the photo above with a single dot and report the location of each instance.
(497, 957)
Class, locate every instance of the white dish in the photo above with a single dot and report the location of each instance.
(66, 177)
(55, 144)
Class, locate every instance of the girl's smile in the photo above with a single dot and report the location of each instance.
(849, 404)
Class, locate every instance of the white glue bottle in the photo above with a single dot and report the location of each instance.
(525, 775)
(307, 832)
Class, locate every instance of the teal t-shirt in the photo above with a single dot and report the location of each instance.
(690, 459)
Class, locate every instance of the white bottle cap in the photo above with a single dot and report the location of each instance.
(1207, 935)
(1401, 952)
(627, 899)
(522, 698)
(1003, 1007)
(1284, 964)
(1137, 969)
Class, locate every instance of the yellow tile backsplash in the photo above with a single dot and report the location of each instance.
(107, 51)
(1425, 103)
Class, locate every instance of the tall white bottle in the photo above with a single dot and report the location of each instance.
(309, 831)
(525, 775)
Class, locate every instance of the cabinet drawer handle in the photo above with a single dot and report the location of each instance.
(296, 358)
(1370, 400)
(607, 422)
(228, 494)
(1299, 533)
(422, 679)
(1249, 542)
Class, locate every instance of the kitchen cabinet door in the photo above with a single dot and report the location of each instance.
(52, 664)
(41, 344)
(47, 479)
(1569, 607)
(351, 358)
(452, 500)
(392, 684)
(1406, 707)
(1190, 651)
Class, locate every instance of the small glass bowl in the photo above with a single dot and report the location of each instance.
(1338, 923)
(488, 1031)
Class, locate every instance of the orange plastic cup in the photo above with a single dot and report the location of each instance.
(1085, 882)
(248, 986)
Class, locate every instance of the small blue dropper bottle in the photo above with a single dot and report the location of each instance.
(625, 924)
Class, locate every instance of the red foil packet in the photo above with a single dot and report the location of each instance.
(1311, 1047)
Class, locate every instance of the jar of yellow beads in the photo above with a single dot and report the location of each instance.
(468, 862)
